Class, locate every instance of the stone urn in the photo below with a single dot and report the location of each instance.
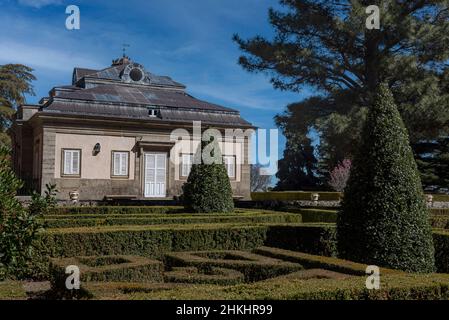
(429, 200)
(74, 196)
(315, 197)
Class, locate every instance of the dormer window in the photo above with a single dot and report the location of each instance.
(152, 112)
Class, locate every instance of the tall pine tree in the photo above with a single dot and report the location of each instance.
(324, 45)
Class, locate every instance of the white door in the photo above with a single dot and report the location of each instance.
(155, 170)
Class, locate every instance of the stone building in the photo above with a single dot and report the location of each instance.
(112, 133)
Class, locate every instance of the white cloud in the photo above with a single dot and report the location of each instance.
(43, 57)
(39, 3)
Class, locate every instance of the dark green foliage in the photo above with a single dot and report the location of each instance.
(15, 83)
(439, 222)
(314, 239)
(154, 241)
(432, 158)
(294, 195)
(106, 268)
(218, 276)
(116, 210)
(297, 168)
(208, 188)
(54, 221)
(313, 261)
(316, 215)
(441, 243)
(150, 241)
(326, 45)
(383, 219)
(42, 205)
(393, 287)
(254, 267)
(18, 226)
(441, 197)
(439, 211)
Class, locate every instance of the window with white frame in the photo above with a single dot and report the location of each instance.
(229, 162)
(120, 160)
(186, 164)
(71, 162)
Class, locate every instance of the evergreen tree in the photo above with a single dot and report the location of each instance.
(15, 82)
(296, 170)
(208, 189)
(432, 157)
(325, 46)
(19, 227)
(383, 219)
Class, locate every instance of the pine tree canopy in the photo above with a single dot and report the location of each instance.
(324, 45)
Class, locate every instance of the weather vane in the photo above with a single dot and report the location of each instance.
(124, 49)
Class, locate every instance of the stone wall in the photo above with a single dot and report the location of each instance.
(94, 183)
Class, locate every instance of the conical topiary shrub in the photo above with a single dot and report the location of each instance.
(208, 189)
(383, 219)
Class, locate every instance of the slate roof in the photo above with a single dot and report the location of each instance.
(114, 72)
(79, 73)
(142, 113)
(105, 93)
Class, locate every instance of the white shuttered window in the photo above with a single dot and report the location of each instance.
(120, 163)
(187, 160)
(229, 162)
(72, 162)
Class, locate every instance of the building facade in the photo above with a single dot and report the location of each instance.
(123, 132)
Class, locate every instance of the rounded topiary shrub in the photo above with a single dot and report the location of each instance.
(208, 189)
(383, 219)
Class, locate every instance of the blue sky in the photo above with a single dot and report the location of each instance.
(188, 40)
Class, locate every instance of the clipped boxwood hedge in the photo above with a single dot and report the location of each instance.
(116, 210)
(441, 244)
(441, 197)
(306, 196)
(107, 220)
(393, 287)
(439, 211)
(218, 276)
(316, 215)
(294, 196)
(439, 222)
(106, 268)
(317, 239)
(254, 267)
(314, 261)
(149, 241)
(154, 241)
